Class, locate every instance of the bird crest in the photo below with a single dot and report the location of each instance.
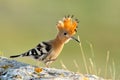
(68, 24)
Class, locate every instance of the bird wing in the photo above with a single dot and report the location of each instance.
(40, 52)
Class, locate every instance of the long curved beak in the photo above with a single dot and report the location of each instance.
(75, 39)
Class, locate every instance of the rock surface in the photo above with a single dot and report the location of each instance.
(13, 70)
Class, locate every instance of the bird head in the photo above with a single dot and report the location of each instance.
(67, 28)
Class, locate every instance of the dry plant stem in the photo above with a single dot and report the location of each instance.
(93, 60)
(76, 65)
(99, 71)
(107, 60)
(1, 53)
(63, 65)
(113, 65)
(84, 59)
(92, 66)
(111, 71)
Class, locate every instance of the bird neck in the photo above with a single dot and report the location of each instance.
(59, 41)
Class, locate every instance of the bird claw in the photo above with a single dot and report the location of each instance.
(48, 62)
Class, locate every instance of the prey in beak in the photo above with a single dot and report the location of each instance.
(75, 39)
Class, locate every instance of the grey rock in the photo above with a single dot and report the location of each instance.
(13, 70)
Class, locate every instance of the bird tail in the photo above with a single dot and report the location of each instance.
(20, 55)
(15, 56)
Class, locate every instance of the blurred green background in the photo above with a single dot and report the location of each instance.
(25, 23)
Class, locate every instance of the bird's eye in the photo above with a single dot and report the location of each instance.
(65, 33)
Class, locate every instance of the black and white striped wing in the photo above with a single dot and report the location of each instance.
(40, 52)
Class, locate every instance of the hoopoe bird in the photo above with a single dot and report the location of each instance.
(48, 51)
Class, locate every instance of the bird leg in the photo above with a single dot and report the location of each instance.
(48, 62)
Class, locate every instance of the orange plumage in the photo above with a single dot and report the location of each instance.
(69, 25)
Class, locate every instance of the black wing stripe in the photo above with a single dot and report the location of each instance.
(39, 47)
(41, 51)
(34, 52)
(26, 54)
(48, 46)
